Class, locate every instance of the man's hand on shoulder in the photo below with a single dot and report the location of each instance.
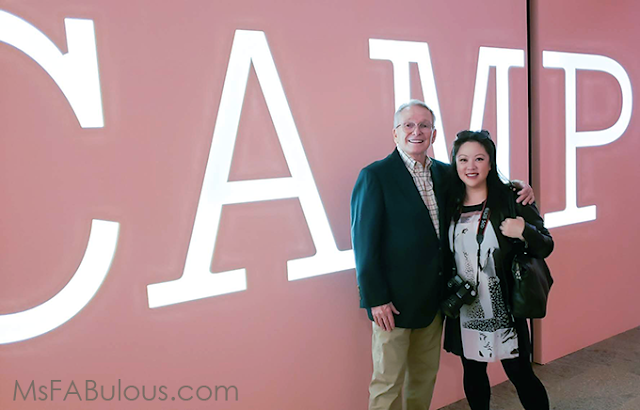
(383, 316)
(525, 193)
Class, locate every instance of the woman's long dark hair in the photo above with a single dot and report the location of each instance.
(497, 191)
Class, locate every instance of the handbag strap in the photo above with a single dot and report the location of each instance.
(514, 214)
(512, 203)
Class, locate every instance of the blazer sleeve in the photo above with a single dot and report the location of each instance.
(538, 240)
(367, 219)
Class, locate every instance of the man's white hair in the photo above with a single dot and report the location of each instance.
(411, 103)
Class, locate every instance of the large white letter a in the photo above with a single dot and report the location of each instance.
(197, 281)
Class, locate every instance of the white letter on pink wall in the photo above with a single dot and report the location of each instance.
(503, 59)
(76, 73)
(401, 53)
(93, 269)
(197, 280)
(570, 63)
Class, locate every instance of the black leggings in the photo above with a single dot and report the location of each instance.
(531, 392)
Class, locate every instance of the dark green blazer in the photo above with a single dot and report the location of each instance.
(398, 255)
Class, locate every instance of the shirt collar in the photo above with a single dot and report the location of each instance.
(411, 163)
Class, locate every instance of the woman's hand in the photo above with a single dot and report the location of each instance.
(513, 228)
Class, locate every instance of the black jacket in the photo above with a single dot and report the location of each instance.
(539, 244)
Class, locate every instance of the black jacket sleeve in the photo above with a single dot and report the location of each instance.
(537, 238)
(367, 213)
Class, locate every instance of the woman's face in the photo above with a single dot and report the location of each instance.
(473, 165)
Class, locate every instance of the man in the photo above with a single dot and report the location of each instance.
(396, 226)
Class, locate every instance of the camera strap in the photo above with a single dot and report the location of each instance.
(482, 227)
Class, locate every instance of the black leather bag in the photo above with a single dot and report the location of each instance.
(531, 282)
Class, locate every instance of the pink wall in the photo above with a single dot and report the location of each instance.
(284, 344)
(594, 266)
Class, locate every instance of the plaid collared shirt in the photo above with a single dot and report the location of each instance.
(424, 183)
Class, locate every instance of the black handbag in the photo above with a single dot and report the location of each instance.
(531, 282)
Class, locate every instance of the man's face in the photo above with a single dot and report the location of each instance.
(415, 133)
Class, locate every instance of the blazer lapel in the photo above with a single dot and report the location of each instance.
(407, 186)
(438, 175)
(405, 180)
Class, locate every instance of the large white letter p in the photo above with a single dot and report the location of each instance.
(570, 63)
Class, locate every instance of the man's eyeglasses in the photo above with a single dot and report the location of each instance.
(409, 127)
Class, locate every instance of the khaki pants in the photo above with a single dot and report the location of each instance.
(404, 357)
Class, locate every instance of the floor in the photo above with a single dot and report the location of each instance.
(604, 376)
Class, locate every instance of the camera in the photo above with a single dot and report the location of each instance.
(461, 293)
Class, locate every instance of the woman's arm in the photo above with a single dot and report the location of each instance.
(539, 242)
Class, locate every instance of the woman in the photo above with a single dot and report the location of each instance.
(485, 330)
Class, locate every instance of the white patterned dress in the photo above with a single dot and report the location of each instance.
(488, 332)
